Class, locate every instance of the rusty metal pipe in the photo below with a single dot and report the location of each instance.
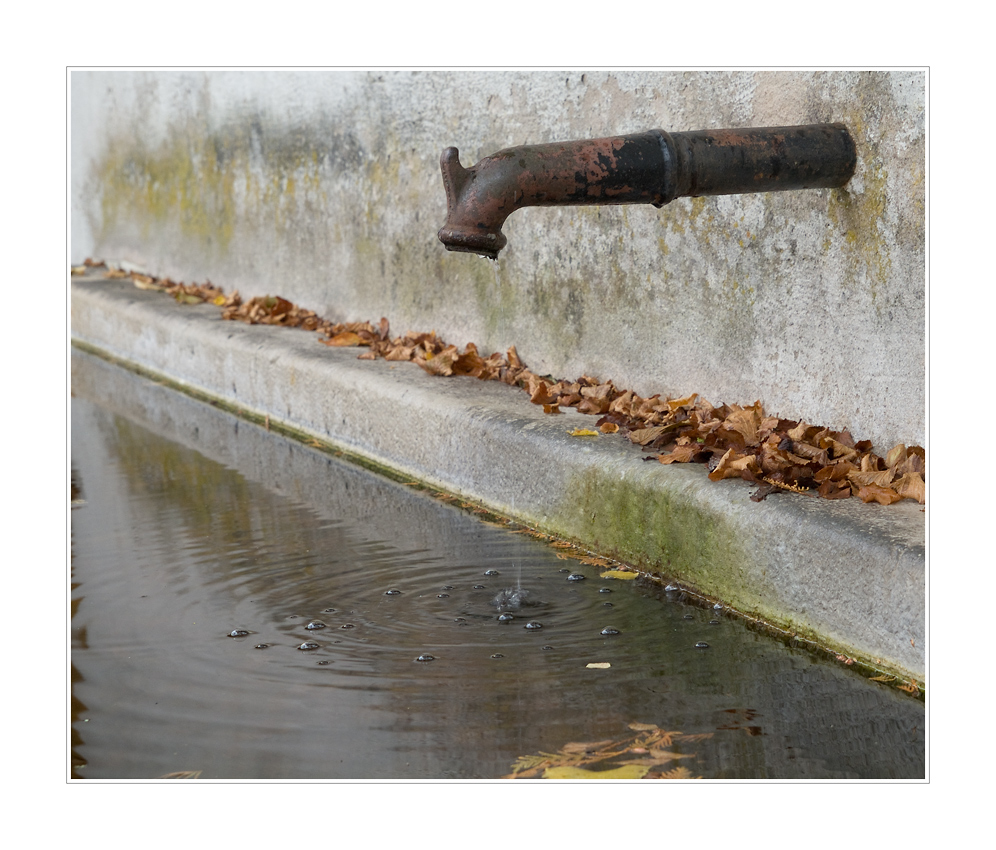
(643, 168)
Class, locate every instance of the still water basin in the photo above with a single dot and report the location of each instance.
(189, 524)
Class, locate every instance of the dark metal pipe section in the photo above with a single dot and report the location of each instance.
(643, 168)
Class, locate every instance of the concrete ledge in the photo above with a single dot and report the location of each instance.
(848, 575)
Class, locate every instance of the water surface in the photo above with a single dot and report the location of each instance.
(188, 524)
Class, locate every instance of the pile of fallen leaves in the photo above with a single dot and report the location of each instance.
(643, 755)
(732, 441)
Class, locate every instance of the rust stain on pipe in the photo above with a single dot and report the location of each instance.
(643, 168)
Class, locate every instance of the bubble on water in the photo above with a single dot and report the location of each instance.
(545, 648)
(347, 626)
(564, 570)
(505, 618)
(426, 658)
(329, 611)
(701, 645)
(238, 633)
(575, 577)
(714, 622)
(308, 645)
(447, 587)
(261, 646)
(605, 590)
(608, 630)
(717, 606)
(688, 617)
(392, 592)
(442, 596)
(459, 619)
(323, 663)
(497, 655)
(491, 573)
(315, 624)
(293, 617)
(479, 587)
(671, 588)
(533, 625)
(607, 605)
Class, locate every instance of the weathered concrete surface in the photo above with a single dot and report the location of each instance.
(849, 574)
(324, 187)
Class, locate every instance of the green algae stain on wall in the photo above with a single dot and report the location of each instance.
(186, 182)
(206, 184)
(858, 213)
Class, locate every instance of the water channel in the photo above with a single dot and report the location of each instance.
(188, 524)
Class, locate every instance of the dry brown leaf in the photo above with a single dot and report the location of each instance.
(344, 339)
(874, 493)
(911, 486)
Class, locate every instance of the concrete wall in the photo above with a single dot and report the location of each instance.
(324, 187)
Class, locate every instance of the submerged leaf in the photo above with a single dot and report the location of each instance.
(629, 771)
(624, 575)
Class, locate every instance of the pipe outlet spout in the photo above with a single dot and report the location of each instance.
(642, 168)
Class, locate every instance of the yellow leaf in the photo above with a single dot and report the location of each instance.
(78, 269)
(582, 432)
(598, 665)
(219, 300)
(625, 575)
(143, 282)
(629, 771)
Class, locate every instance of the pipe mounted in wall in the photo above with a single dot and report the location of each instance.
(643, 168)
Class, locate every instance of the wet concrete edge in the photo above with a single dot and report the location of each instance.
(849, 576)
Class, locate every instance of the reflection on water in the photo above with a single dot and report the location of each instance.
(188, 525)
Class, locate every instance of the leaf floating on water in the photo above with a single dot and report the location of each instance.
(628, 771)
(676, 773)
(623, 575)
(598, 665)
(582, 432)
